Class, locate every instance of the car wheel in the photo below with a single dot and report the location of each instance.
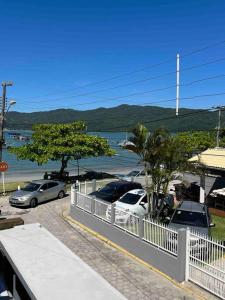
(33, 202)
(61, 194)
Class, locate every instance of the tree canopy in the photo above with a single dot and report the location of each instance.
(198, 141)
(62, 142)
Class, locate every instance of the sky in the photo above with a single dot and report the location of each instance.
(89, 54)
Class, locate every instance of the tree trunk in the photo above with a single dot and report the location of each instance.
(64, 162)
(148, 191)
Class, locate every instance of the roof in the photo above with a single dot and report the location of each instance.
(137, 192)
(211, 158)
(191, 206)
(41, 181)
(48, 269)
(123, 182)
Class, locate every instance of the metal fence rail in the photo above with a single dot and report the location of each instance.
(84, 202)
(205, 256)
(87, 187)
(127, 221)
(161, 236)
(207, 263)
(102, 210)
(103, 182)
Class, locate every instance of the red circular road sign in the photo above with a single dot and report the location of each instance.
(3, 166)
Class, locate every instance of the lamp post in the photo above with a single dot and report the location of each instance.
(4, 110)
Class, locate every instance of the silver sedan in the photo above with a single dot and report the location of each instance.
(38, 191)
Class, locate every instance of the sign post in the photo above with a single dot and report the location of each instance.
(3, 168)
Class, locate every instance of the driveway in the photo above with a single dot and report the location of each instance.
(131, 278)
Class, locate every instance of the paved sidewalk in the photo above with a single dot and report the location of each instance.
(132, 279)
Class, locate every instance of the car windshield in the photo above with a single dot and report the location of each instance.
(190, 218)
(130, 198)
(108, 189)
(133, 173)
(31, 187)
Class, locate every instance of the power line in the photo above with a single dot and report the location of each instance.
(162, 119)
(135, 71)
(135, 82)
(156, 102)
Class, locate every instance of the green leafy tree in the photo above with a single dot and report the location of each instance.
(62, 142)
(198, 141)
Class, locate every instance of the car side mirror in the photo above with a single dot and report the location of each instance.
(212, 225)
(142, 203)
(41, 190)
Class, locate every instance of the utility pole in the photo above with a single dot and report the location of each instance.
(178, 85)
(3, 108)
(219, 108)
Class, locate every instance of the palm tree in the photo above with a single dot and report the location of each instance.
(148, 146)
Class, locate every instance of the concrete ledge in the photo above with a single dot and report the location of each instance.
(165, 262)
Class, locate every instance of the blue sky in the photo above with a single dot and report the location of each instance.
(56, 51)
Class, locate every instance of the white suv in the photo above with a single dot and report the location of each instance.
(133, 202)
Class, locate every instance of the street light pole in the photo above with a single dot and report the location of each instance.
(219, 108)
(4, 85)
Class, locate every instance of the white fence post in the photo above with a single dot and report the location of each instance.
(113, 213)
(93, 185)
(85, 187)
(141, 227)
(93, 206)
(72, 195)
(183, 252)
(187, 254)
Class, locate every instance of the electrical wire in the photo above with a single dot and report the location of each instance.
(139, 81)
(137, 70)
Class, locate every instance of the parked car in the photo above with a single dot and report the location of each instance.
(133, 174)
(134, 202)
(114, 190)
(196, 217)
(38, 191)
(192, 215)
(90, 175)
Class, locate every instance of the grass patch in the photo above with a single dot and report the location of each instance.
(218, 232)
(12, 186)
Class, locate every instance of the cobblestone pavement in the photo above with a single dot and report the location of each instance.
(132, 279)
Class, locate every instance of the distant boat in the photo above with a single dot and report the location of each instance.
(20, 137)
(14, 133)
(125, 142)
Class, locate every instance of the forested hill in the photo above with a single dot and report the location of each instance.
(120, 118)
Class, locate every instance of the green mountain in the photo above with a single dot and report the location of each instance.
(120, 118)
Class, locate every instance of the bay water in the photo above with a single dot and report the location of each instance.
(122, 162)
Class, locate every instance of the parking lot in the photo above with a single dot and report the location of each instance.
(131, 278)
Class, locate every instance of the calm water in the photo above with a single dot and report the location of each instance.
(128, 160)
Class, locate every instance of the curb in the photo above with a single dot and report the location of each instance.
(125, 252)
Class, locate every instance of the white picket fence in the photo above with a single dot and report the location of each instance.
(205, 256)
(87, 187)
(161, 236)
(101, 210)
(84, 202)
(207, 263)
(127, 221)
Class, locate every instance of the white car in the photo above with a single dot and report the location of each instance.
(133, 202)
(131, 175)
